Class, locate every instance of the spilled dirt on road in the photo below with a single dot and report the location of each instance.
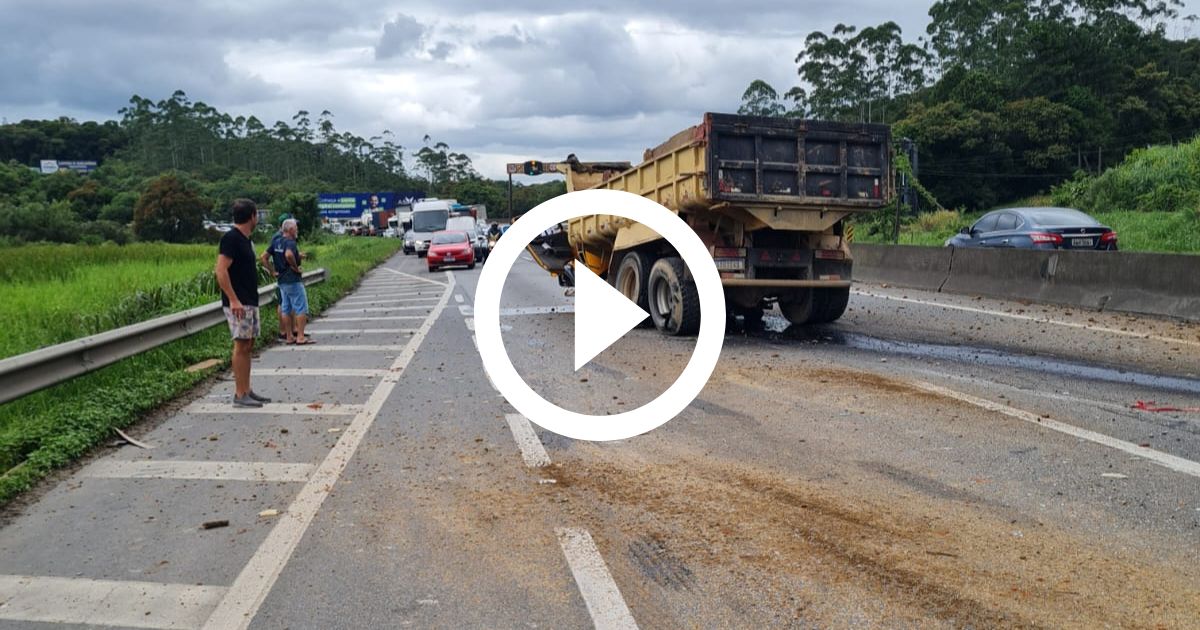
(858, 553)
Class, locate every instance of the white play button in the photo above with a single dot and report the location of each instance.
(602, 315)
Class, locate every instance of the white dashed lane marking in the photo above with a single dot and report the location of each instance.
(604, 602)
(532, 451)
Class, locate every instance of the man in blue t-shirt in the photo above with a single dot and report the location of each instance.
(293, 302)
(268, 263)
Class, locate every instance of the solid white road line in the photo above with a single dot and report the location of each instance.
(246, 595)
(1177, 464)
(361, 331)
(532, 451)
(370, 319)
(321, 371)
(282, 409)
(1029, 318)
(233, 471)
(316, 347)
(596, 585)
(106, 602)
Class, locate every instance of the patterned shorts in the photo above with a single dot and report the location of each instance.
(245, 328)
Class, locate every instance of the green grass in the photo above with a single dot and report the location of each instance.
(54, 293)
(1163, 178)
(51, 428)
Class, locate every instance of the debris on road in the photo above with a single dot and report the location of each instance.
(1114, 476)
(201, 366)
(215, 524)
(1153, 407)
(129, 440)
(268, 513)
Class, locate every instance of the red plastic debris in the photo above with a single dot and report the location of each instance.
(1151, 406)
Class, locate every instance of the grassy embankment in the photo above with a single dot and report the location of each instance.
(55, 293)
(1152, 200)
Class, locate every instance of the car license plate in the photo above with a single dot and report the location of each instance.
(449, 258)
(1081, 242)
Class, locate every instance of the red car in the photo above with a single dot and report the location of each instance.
(450, 248)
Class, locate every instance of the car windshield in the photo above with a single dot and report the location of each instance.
(1060, 217)
(429, 221)
(446, 238)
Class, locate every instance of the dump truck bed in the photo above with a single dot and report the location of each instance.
(752, 161)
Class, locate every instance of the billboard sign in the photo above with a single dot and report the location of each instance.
(79, 166)
(353, 205)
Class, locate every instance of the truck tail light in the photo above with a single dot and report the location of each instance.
(729, 252)
(1045, 237)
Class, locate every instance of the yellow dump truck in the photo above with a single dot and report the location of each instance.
(768, 196)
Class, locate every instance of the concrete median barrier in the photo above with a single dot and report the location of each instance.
(902, 265)
(1155, 284)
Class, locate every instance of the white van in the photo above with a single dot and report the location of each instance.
(428, 216)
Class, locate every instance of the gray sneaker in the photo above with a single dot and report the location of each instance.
(261, 399)
(246, 401)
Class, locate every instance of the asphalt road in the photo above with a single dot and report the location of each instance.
(927, 461)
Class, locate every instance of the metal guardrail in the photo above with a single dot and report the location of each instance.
(33, 371)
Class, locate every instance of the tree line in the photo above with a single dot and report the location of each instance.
(1006, 99)
(168, 165)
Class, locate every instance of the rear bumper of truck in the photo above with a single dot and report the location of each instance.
(784, 284)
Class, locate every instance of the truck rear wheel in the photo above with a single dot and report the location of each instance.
(632, 278)
(798, 308)
(674, 302)
(828, 305)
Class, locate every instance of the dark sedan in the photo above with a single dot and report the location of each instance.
(1036, 228)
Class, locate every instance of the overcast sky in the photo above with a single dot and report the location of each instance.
(499, 81)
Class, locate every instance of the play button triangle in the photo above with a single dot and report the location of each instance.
(602, 315)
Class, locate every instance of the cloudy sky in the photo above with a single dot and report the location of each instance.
(499, 81)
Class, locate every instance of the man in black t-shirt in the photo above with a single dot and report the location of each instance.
(237, 275)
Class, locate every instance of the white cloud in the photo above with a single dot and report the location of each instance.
(499, 82)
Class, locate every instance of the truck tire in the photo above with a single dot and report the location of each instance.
(674, 302)
(632, 278)
(799, 308)
(828, 305)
